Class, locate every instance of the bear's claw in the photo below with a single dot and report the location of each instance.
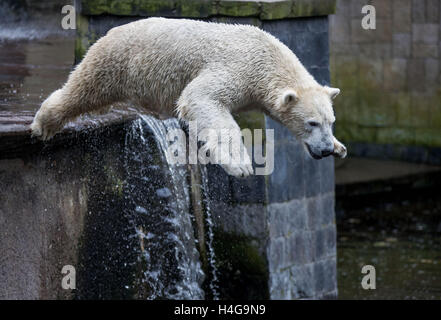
(42, 132)
(239, 170)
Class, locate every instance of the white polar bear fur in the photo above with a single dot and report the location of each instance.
(197, 71)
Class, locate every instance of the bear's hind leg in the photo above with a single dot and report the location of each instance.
(92, 86)
(67, 103)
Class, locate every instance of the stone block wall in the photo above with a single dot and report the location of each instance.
(281, 228)
(302, 231)
(390, 78)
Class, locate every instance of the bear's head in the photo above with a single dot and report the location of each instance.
(309, 115)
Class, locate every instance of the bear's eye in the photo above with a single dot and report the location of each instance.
(313, 123)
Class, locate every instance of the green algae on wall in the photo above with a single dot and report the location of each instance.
(367, 112)
(238, 8)
(389, 77)
(387, 119)
(242, 268)
(264, 9)
(250, 120)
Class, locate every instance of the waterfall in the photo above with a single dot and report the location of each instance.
(214, 287)
(159, 211)
(172, 267)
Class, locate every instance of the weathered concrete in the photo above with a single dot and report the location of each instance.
(94, 201)
(43, 209)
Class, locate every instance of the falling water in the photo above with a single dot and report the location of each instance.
(173, 269)
(209, 221)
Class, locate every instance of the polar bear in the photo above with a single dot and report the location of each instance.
(197, 71)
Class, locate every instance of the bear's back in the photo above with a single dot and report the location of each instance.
(194, 42)
(157, 57)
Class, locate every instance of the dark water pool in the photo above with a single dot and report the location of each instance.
(401, 239)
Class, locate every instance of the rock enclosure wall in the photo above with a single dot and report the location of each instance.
(390, 104)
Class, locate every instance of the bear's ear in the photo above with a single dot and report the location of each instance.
(333, 92)
(289, 96)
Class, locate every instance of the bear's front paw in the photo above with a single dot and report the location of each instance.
(233, 158)
(237, 164)
(239, 170)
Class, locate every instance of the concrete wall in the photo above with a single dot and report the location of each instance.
(301, 190)
(390, 78)
(91, 200)
(280, 230)
(45, 201)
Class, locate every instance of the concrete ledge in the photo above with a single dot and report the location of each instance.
(410, 153)
(264, 9)
(15, 134)
(361, 177)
